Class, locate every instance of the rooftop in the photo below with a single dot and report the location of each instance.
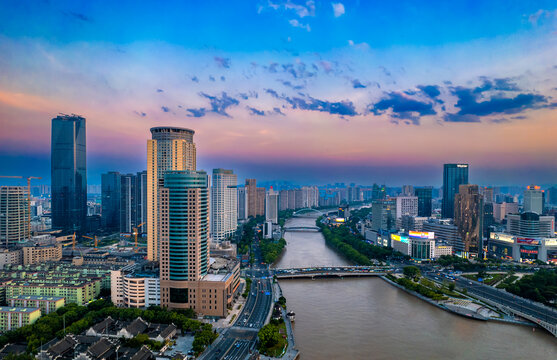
(36, 297)
(18, 309)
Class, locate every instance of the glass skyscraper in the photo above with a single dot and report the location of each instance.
(69, 173)
(454, 175)
(424, 195)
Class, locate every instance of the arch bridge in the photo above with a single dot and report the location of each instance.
(338, 271)
(307, 212)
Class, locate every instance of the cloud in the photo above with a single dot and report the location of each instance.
(197, 112)
(290, 85)
(165, 109)
(303, 9)
(254, 111)
(338, 9)
(298, 70)
(468, 118)
(431, 91)
(541, 14)
(469, 105)
(296, 23)
(222, 62)
(385, 71)
(402, 107)
(359, 46)
(356, 84)
(160, 90)
(220, 104)
(140, 113)
(278, 111)
(211, 78)
(78, 16)
(502, 84)
(345, 107)
(195, 79)
(273, 93)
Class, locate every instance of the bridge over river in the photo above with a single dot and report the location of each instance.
(324, 272)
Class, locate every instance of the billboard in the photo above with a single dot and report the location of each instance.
(396, 237)
(527, 241)
(422, 235)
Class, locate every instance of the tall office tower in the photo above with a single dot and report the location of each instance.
(271, 206)
(128, 202)
(251, 194)
(242, 203)
(533, 200)
(407, 190)
(531, 225)
(454, 175)
(487, 193)
(183, 227)
(141, 201)
(378, 192)
(68, 173)
(468, 217)
(224, 204)
(489, 220)
(283, 200)
(14, 215)
(170, 148)
(406, 205)
(383, 214)
(551, 197)
(110, 200)
(424, 195)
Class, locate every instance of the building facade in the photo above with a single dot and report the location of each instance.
(533, 200)
(383, 214)
(14, 215)
(468, 217)
(454, 175)
(406, 205)
(242, 204)
(170, 148)
(68, 173)
(531, 225)
(111, 187)
(224, 204)
(424, 195)
(15, 317)
(271, 206)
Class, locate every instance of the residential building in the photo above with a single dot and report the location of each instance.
(242, 203)
(454, 175)
(224, 206)
(500, 211)
(383, 214)
(11, 257)
(14, 215)
(171, 148)
(406, 205)
(468, 217)
(424, 195)
(283, 200)
(68, 173)
(271, 206)
(533, 200)
(39, 253)
(12, 318)
(47, 304)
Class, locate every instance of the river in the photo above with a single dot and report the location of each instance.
(366, 318)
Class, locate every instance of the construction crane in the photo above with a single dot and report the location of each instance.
(95, 238)
(73, 243)
(28, 196)
(135, 234)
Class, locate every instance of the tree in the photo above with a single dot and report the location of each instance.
(411, 271)
(268, 336)
(451, 286)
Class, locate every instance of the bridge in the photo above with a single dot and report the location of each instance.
(325, 272)
(307, 212)
(302, 228)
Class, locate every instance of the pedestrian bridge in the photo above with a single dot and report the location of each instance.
(302, 228)
(336, 272)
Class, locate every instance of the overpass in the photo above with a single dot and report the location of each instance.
(325, 272)
(302, 228)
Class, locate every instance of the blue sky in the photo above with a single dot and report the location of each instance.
(309, 91)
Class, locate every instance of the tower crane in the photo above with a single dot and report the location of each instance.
(95, 238)
(135, 234)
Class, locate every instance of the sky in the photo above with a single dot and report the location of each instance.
(302, 91)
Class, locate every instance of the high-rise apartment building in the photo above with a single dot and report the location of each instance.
(183, 226)
(468, 217)
(68, 173)
(283, 200)
(271, 206)
(406, 205)
(383, 214)
(242, 203)
(14, 215)
(251, 194)
(110, 200)
(534, 200)
(424, 195)
(407, 190)
(170, 149)
(454, 175)
(141, 201)
(224, 204)
(260, 209)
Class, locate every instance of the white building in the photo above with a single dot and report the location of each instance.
(139, 290)
(271, 206)
(406, 205)
(500, 211)
(224, 204)
(533, 199)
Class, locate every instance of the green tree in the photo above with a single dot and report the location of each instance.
(411, 271)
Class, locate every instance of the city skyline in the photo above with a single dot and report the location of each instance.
(311, 92)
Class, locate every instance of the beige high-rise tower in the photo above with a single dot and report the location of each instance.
(171, 148)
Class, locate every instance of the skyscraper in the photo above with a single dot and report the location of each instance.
(383, 214)
(224, 204)
(171, 148)
(110, 200)
(68, 173)
(128, 202)
(468, 217)
(454, 175)
(141, 201)
(183, 228)
(271, 206)
(14, 214)
(424, 195)
(534, 200)
(406, 205)
(251, 196)
(242, 203)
